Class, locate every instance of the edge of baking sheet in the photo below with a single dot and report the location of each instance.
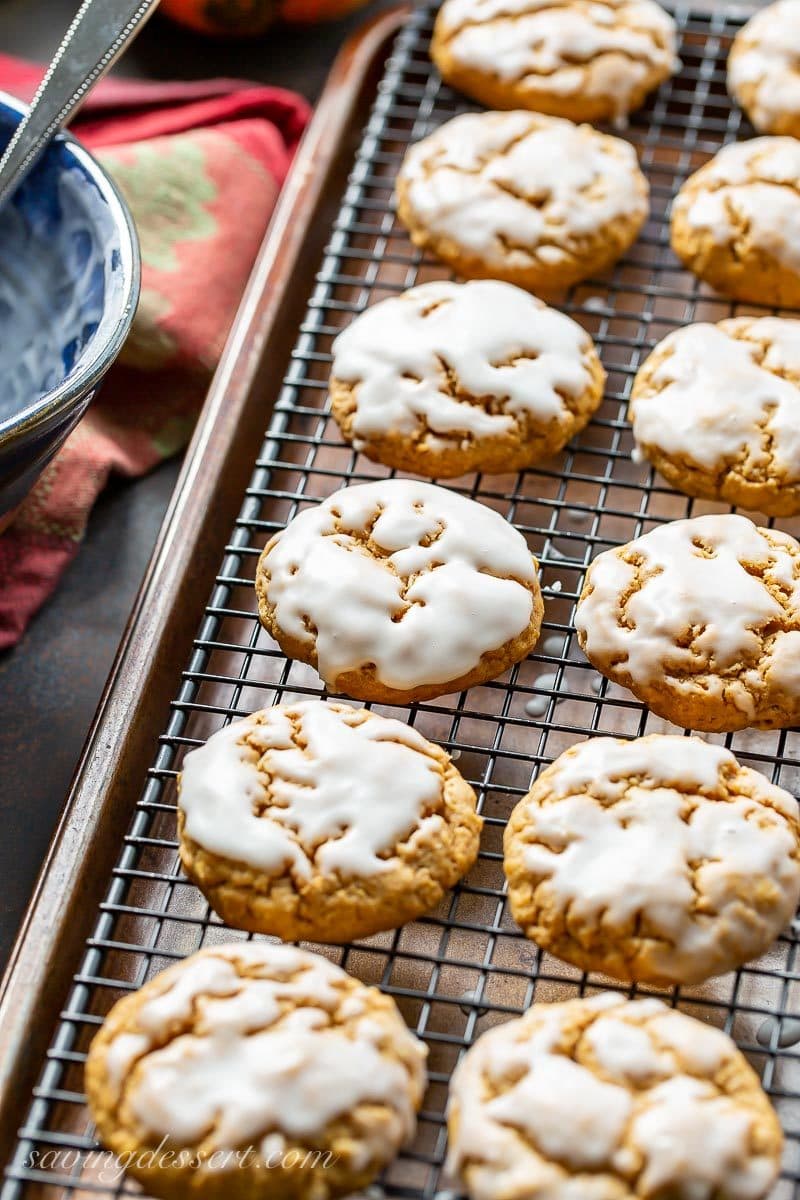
(180, 575)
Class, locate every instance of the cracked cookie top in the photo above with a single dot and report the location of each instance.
(314, 788)
(258, 1045)
(609, 1099)
(445, 362)
(725, 397)
(707, 609)
(764, 68)
(658, 859)
(747, 198)
(406, 579)
(521, 188)
(568, 49)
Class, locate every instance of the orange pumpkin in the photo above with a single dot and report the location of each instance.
(242, 18)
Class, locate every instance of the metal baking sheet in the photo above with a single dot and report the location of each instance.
(465, 967)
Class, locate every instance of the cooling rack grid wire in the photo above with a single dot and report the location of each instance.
(465, 967)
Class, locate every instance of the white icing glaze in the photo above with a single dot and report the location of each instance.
(757, 181)
(684, 589)
(766, 54)
(453, 578)
(213, 974)
(515, 184)
(122, 1054)
(610, 859)
(262, 1056)
(502, 344)
(626, 1051)
(688, 1129)
(572, 1115)
(602, 765)
(297, 1081)
(358, 788)
(702, 1048)
(648, 1120)
(714, 397)
(551, 47)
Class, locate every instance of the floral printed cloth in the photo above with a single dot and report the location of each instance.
(201, 165)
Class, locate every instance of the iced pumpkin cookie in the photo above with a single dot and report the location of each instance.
(253, 1070)
(716, 409)
(736, 221)
(610, 1099)
(659, 860)
(701, 620)
(449, 378)
(523, 197)
(764, 68)
(323, 822)
(588, 60)
(399, 591)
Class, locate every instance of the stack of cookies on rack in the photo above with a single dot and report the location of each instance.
(659, 860)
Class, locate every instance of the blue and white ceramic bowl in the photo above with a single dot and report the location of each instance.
(69, 283)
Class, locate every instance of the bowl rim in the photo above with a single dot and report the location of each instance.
(54, 403)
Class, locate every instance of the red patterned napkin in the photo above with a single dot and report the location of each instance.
(201, 165)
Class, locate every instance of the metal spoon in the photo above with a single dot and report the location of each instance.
(100, 31)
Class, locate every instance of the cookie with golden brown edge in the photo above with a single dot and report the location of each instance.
(659, 860)
(764, 68)
(323, 822)
(701, 620)
(736, 221)
(530, 199)
(588, 60)
(610, 1099)
(716, 409)
(449, 378)
(399, 591)
(253, 1071)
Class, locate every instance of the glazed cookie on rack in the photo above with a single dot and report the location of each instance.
(399, 591)
(736, 221)
(764, 68)
(716, 409)
(221, 1076)
(701, 620)
(610, 1099)
(589, 60)
(449, 378)
(324, 822)
(523, 197)
(659, 860)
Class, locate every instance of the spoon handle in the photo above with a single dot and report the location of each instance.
(100, 31)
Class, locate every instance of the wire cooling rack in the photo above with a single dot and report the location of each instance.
(465, 967)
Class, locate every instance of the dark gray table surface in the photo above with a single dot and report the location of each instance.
(51, 683)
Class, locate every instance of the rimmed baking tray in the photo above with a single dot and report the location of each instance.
(112, 907)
